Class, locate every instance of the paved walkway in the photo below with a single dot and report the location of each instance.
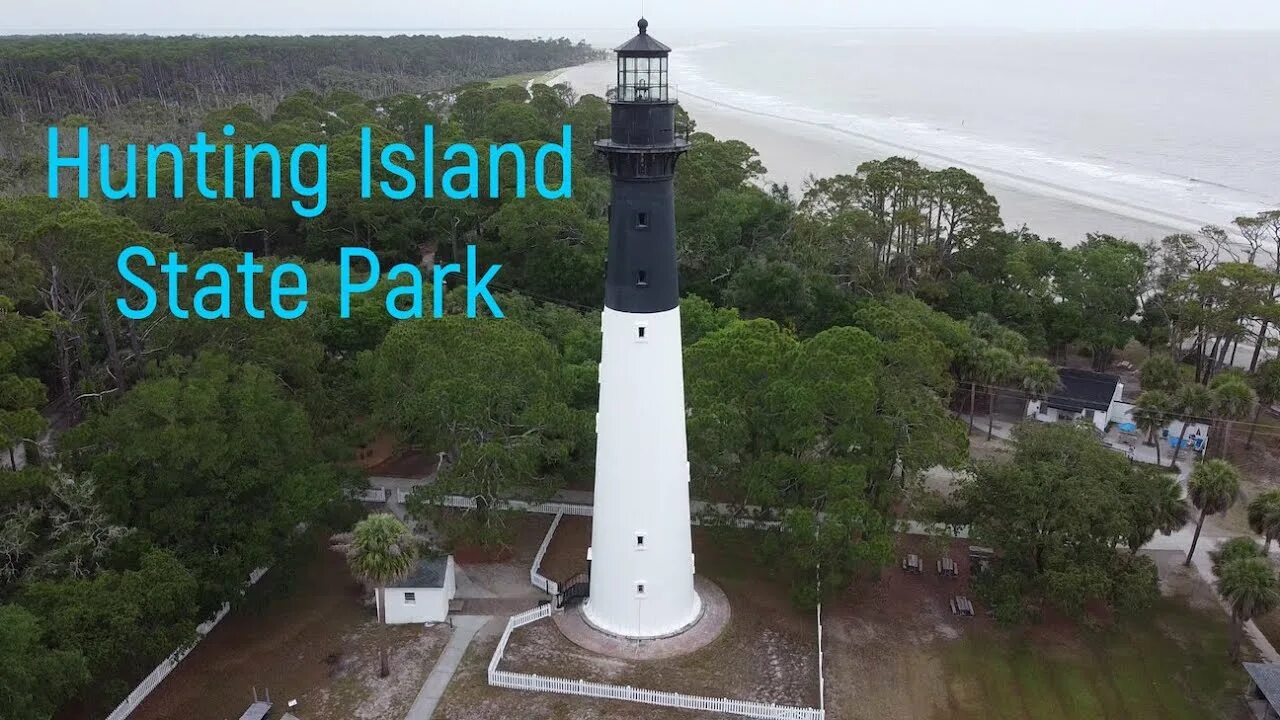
(465, 629)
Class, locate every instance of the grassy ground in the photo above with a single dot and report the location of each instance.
(316, 643)
(894, 651)
(519, 79)
(1172, 665)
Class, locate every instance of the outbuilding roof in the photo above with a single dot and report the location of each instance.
(1267, 677)
(1083, 389)
(429, 573)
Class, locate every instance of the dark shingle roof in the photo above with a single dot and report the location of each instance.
(1081, 389)
(1267, 677)
(642, 43)
(428, 574)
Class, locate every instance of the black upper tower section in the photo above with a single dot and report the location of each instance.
(642, 149)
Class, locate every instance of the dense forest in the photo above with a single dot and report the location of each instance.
(139, 89)
(43, 78)
(831, 333)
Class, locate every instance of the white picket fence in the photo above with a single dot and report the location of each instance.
(547, 508)
(545, 584)
(157, 676)
(538, 683)
(822, 682)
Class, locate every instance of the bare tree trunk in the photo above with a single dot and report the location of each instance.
(135, 342)
(63, 344)
(991, 412)
(1195, 539)
(384, 668)
(1253, 427)
(1177, 449)
(109, 335)
(973, 401)
(1237, 634)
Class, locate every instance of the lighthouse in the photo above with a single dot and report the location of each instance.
(641, 555)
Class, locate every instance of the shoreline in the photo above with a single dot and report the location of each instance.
(794, 149)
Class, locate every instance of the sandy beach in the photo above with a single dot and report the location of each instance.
(793, 150)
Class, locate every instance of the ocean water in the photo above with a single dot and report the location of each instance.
(1136, 133)
(1175, 129)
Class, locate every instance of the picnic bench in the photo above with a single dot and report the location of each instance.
(947, 567)
(912, 564)
(980, 558)
(960, 605)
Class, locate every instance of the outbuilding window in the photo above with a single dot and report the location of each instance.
(410, 598)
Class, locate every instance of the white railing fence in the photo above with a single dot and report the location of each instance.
(545, 584)
(822, 683)
(546, 508)
(374, 495)
(538, 683)
(157, 676)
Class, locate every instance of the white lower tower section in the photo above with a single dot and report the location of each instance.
(641, 547)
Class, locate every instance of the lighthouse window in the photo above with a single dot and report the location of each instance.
(640, 588)
(640, 540)
(640, 332)
(642, 279)
(642, 220)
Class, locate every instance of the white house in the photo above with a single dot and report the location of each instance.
(424, 595)
(1081, 395)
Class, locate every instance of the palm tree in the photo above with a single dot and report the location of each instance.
(1170, 511)
(1152, 414)
(970, 369)
(1240, 548)
(1266, 382)
(1233, 400)
(1250, 589)
(1264, 516)
(380, 550)
(995, 366)
(1213, 487)
(1160, 507)
(1039, 378)
(1191, 401)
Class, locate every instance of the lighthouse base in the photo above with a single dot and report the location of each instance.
(710, 623)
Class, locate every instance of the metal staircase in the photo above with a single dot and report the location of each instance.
(573, 591)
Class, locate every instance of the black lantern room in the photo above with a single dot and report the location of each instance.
(642, 68)
(642, 149)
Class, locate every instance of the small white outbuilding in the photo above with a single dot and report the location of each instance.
(424, 595)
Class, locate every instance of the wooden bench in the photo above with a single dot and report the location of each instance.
(912, 564)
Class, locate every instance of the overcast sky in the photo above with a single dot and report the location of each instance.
(316, 15)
